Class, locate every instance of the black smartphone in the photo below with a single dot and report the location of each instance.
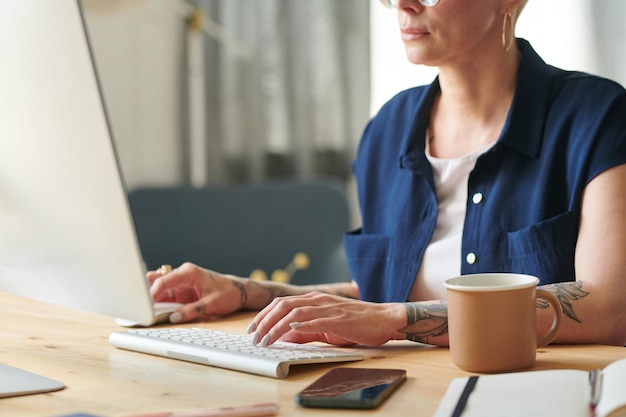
(351, 388)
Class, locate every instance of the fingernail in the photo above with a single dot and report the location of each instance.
(255, 338)
(295, 324)
(265, 340)
(251, 327)
(175, 317)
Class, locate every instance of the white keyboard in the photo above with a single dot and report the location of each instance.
(226, 350)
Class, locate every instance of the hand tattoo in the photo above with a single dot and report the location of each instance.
(200, 308)
(565, 292)
(425, 320)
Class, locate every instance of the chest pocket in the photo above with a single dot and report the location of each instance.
(545, 250)
(369, 261)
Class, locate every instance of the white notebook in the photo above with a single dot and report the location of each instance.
(551, 393)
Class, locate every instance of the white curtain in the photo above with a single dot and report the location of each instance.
(293, 105)
(609, 26)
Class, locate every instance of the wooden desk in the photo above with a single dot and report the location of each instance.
(73, 347)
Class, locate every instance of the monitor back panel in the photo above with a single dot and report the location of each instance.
(66, 234)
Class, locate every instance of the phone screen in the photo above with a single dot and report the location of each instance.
(351, 388)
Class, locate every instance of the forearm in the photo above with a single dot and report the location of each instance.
(589, 316)
(256, 295)
(591, 313)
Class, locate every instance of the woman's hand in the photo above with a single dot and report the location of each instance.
(205, 294)
(320, 317)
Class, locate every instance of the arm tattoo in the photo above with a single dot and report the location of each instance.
(270, 292)
(261, 293)
(243, 294)
(566, 293)
(425, 320)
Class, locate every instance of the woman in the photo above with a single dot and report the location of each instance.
(502, 164)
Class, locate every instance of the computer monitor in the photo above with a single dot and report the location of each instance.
(66, 231)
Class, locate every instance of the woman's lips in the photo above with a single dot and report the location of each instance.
(411, 34)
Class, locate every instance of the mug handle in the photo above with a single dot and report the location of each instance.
(556, 322)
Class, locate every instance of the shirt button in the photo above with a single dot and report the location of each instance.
(477, 198)
(471, 258)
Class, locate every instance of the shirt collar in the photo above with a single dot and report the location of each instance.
(523, 130)
(414, 142)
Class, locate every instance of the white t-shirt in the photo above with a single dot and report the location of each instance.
(442, 259)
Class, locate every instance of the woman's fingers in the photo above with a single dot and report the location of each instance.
(312, 317)
(196, 310)
(206, 294)
(279, 311)
(308, 332)
(185, 280)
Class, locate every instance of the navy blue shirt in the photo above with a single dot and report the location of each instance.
(563, 129)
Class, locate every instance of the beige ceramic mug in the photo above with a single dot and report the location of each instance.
(492, 321)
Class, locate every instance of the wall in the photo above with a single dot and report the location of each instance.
(138, 46)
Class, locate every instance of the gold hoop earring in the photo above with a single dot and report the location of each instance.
(507, 45)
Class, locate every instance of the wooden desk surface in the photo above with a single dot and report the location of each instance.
(72, 347)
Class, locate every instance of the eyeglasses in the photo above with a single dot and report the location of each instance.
(393, 3)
